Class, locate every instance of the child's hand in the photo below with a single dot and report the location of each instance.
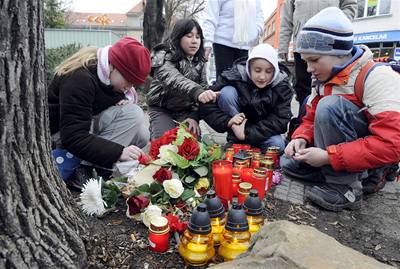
(193, 126)
(295, 146)
(208, 96)
(238, 130)
(123, 102)
(313, 156)
(131, 153)
(237, 119)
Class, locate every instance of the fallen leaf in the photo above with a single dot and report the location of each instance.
(116, 222)
(378, 247)
(133, 237)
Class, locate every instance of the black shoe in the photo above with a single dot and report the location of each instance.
(378, 177)
(80, 176)
(335, 197)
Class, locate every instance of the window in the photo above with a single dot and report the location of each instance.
(273, 27)
(369, 8)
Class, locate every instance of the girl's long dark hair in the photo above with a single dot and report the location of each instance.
(181, 28)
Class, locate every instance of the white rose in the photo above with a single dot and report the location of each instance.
(151, 212)
(165, 155)
(173, 187)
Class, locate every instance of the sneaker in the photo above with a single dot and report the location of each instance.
(378, 177)
(80, 176)
(335, 197)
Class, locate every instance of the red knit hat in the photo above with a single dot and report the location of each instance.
(131, 59)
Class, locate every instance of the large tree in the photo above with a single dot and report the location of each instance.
(54, 13)
(39, 225)
(153, 23)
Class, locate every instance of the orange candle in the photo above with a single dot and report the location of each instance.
(222, 174)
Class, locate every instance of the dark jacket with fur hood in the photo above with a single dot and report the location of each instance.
(267, 110)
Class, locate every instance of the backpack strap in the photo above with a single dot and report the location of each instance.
(361, 77)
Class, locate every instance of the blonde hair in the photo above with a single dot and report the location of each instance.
(81, 58)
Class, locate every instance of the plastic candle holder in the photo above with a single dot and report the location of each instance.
(159, 235)
(222, 174)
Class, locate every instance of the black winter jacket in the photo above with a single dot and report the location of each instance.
(176, 86)
(267, 110)
(73, 100)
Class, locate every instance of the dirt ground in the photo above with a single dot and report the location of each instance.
(118, 242)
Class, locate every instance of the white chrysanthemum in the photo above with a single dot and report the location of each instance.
(92, 202)
(151, 212)
(165, 154)
(173, 187)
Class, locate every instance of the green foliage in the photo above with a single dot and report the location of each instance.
(54, 14)
(110, 193)
(55, 56)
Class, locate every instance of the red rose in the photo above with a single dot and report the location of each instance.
(144, 159)
(162, 174)
(169, 136)
(189, 149)
(154, 148)
(175, 225)
(136, 204)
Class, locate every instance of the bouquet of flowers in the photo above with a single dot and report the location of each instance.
(182, 174)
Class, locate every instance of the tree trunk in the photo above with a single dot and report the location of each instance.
(153, 23)
(38, 222)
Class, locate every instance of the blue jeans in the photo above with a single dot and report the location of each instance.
(228, 102)
(337, 120)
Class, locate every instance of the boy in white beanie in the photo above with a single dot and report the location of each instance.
(254, 105)
(346, 141)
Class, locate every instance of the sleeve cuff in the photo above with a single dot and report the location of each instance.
(335, 159)
(208, 44)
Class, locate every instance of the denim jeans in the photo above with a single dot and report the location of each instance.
(228, 102)
(337, 120)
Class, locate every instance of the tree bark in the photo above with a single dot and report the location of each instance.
(39, 224)
(153, 23)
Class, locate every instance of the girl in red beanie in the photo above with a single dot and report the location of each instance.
(93, 111)
(179, 80)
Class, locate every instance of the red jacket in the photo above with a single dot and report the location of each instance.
(381, 100)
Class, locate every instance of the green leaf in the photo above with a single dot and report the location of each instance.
(155, 187)
(120, 179)
(110, 196)
(165, 197)
(202, 171)
(182, 134)
(187, 193)
(180, 161)
(135, 192)
(144, 188)
(189, 179)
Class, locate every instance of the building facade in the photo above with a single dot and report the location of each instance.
(97, 29)
(377, 25)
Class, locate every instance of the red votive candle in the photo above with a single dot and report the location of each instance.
(235, 184)
(243, 192)
(159, 234)
(222, 174)
(273, 152)
(246, 175)
(259, 181)
(236, 148)
(229, 154)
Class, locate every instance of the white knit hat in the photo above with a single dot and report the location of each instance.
(266, 52)
(328, 32)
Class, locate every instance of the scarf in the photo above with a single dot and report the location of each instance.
(103, 72)
(245, 27)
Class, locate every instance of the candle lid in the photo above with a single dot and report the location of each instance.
(245, 186)
(237, 219)
(159, 225)
(253, 204)
(214, 206)
(242, 155)
(200, 222)
(274, 149)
